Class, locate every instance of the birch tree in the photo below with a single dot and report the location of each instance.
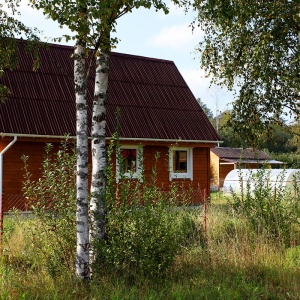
(82, 228)
(91, 23)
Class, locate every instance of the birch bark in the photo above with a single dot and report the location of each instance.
(82, 228)
(97, 202)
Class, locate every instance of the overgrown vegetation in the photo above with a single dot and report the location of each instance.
(144, 228)
(51, 233)
(272, 208)
(153, 249)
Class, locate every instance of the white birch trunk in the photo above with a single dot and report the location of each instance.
(97, 202)
(82, 226)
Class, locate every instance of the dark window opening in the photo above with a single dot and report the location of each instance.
(180, 161)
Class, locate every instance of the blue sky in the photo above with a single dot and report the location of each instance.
(153, 34)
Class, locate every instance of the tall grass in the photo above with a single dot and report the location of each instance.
(231, 262)
(272, 209)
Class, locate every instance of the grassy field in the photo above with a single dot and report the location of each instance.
(229, 261)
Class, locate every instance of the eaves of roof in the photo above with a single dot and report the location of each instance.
(250, 161)
(107, 138)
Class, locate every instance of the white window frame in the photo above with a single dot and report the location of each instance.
(189, 173)
(139, 162)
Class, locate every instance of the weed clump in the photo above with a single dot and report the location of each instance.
(50, 233)
(270, 207)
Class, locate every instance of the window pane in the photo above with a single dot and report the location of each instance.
(180, 161)
(129, 156)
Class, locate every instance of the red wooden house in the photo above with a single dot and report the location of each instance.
(158, 113)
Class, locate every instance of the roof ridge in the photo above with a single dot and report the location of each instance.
(238, 148)
(69, 47)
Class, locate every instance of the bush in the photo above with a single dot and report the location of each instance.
(51, 234)
(290, 160)
(145, 229)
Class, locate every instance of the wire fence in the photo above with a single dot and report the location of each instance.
(18, 203)
(11, 202)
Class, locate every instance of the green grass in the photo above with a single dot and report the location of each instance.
(233, 263)
(218, 199)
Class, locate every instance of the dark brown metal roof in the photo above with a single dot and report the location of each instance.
(227, 153)
(154, 100)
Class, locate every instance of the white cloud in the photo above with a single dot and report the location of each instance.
(177, 37)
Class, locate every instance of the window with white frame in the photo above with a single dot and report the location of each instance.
(181, 162)
(129, 161)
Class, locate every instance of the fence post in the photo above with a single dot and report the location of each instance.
(204, 209)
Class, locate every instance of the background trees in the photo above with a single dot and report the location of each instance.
(276, 140)
(10, 29)
(206, 110)
(295, 139)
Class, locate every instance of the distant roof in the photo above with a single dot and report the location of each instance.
(244, 155)
(154, 100)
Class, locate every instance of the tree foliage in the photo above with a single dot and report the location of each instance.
(294, 141)
(206, 109)
(227, 134)
(277, 140)
(253, 47)
(10, 29)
